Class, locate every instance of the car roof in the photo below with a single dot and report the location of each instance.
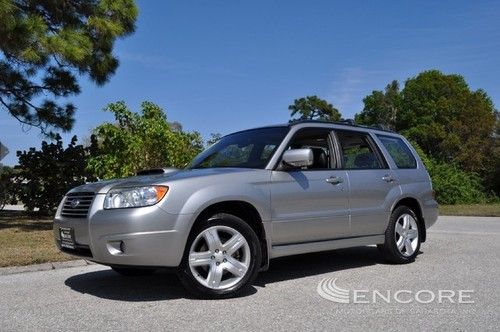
(347, 124)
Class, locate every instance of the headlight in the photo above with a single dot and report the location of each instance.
(134, 197)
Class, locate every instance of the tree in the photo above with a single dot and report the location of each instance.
(46, 44)
(447, 119)
(492, 175)
(442, 114)
(313, 108)
(138, 141)
(214, 138)
(381, 107)
(44, 176)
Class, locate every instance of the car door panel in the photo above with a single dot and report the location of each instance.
(306, 207)
(370, 198)
(371, 182)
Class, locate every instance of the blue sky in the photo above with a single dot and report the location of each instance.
(221, 66)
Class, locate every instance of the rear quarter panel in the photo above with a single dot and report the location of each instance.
(414, 183)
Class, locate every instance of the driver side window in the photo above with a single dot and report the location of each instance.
(318, 140)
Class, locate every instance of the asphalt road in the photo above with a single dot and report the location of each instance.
(461, 254)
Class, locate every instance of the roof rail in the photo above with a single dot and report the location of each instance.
(345, 122)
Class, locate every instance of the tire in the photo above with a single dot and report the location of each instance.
(402, 237)
(132, 272)
(225, 257)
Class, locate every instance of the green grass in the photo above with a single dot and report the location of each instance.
(481, 210)
(25, 241)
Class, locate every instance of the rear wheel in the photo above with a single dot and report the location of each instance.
(402, 240)
(222, 257)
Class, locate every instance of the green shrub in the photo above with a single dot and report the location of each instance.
(139, 141)
(44, 176)
(7, 195)
(453, 185)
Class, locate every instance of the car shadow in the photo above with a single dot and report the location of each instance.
(108, 284)
(300, 266)
(164, 285)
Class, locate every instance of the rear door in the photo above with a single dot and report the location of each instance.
(372, 185)
(310, 204)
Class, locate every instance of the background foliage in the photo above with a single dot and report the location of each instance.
(453, 185)
(453, 125)
(44, 46)
(7, 194)
(44, 176)
(313, 108)
(138, 141)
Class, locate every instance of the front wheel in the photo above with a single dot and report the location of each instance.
(402, 240)
(222, 257)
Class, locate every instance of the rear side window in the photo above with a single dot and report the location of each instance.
(358, 152)
(399, 151)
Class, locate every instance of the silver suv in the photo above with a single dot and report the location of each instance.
(255, 195)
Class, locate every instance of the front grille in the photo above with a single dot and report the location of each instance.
(77, 205)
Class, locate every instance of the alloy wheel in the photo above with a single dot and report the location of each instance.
(406, 234)
(219, 257)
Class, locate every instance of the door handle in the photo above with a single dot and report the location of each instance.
(334, 180)
(388, 178)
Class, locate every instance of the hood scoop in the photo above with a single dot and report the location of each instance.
(156, 171)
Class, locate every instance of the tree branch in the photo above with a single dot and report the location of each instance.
(18, 118)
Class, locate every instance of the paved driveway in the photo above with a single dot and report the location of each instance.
(461, 254)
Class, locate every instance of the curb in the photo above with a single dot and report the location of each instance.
(43, 267)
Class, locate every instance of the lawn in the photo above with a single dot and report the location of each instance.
(482, 210)
(24, 241)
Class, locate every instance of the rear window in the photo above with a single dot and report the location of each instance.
(357, 151)
(399, 151)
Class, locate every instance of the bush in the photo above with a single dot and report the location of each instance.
(453, 185)
(7, 195)
(139, 141)
(44, 176)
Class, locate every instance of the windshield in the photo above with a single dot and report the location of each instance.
(247, 149)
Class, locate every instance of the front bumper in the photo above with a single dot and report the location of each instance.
(146, 236)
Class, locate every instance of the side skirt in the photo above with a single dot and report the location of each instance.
(303, 248)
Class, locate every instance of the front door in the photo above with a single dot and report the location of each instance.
(310, 204)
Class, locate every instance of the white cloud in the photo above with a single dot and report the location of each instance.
(346, 90)
(350, 86)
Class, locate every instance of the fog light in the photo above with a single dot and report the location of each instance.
(116, 247)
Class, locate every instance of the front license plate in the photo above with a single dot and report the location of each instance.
(67, 237)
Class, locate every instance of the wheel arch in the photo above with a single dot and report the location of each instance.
(245, 211)
(414, 204)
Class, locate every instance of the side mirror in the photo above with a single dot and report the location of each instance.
(297, 158)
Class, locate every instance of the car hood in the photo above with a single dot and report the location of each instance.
(102, 187)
